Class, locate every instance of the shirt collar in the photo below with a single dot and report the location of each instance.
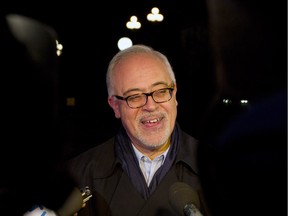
(139, 154)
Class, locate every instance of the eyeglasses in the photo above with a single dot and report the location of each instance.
(139, 100)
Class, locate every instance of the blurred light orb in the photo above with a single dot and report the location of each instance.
(124, 43)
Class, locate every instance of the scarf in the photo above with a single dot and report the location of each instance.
(130, 165)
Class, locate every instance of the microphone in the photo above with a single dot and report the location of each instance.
(74, 202)
(184, 199)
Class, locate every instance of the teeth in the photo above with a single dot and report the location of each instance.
(153, 121)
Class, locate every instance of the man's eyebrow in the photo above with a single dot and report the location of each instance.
(160, 83)
(141, 90)
(132, 90)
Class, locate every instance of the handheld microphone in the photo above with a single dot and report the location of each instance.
(184, 199)
(74, 202)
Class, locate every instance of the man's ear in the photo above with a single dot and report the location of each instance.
(114, 105)
(174, 93)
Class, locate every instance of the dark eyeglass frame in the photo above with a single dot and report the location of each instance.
(147, 95)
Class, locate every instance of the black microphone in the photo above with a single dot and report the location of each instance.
(184, 199)
(74, 202)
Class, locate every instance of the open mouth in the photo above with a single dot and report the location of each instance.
(152, 121)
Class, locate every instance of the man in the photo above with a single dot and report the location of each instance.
(131, 173)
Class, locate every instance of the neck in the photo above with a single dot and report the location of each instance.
(155, 151)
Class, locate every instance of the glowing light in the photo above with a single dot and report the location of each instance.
(59, 48)
(226, 101)
(155, 16)
(124, 43)
(133, 23)
(244, 101)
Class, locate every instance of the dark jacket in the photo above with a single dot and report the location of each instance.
(114, 194)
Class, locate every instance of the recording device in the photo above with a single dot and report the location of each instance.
(184, 199)
(74, 202)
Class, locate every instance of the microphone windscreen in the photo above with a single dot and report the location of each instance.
(72, 204)
(181, 194)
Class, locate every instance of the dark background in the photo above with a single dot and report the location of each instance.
(219, 49)
(89, 32)
(195, 35)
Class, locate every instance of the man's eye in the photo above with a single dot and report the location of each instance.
(161, 92)
(135, 97)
